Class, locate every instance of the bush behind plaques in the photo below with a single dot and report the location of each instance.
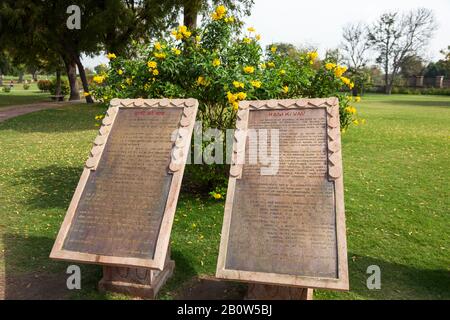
(220, 64)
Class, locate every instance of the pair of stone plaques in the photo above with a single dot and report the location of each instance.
(285, 228)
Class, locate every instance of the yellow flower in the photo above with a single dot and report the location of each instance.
(355, 122)
(238, 84)
(98, 79)
(111, 56)
(247, 40)
(221, 10)
(159, 55)
(285, 89)
(241, 95)
(357, 99)
(176, 51)
(282, 72)
(345, 80)
(201, 81)
(271, 64)
(249, 69)
(217, 196)
(99, 117)
(86, 94)
(155, 72)
(181, 32)
(129, 81)
(350, 109)
(198, 38)
(152, 64)
(256, 83)
(273, 49)
(251, 29)
(219, 13)
(216, 62)
(330, 66)
(339, 71)
(231, 97)
(263, 66)
(120, 71)
(312, 56)
(363, 121)
(229, 19)
(235, 105)
(258, 37)
(158, 46)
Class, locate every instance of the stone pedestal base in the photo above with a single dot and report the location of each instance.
(271, 292)
(139, 282)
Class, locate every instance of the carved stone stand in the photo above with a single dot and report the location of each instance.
(271, 292)
(138, 282)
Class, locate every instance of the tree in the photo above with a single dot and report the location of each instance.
(192, 8)
(5, 64)
(355, 46)
(395, 37)
(284, 49)
(39, 27)
(412, 66)
(440, 67)
(334, 56)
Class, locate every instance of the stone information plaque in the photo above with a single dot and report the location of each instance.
(284, 217)
(123, 208)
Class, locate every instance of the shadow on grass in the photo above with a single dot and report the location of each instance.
(397, 282)
(417, 102)
(55, 185)
(30, 273)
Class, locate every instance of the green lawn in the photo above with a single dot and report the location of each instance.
(19, 96)
(397, 200)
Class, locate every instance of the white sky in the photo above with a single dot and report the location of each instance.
(319, 23)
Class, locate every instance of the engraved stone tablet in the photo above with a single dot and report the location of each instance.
(122, 211)
(284, 221)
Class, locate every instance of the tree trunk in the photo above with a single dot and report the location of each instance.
(58, 83)
(20, 77)
(71, 69)
(386, 81)
(35, 76)
(83, 78)
(389, 86)
(190, 12)
(1, 77)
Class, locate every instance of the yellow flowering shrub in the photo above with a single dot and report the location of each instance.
(221, 65)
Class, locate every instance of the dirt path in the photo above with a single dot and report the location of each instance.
(18, 110)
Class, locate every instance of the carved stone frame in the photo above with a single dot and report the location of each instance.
(180, 151)
(334, 174)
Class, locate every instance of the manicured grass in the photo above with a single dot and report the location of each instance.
(19, 96)
(396, 184)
